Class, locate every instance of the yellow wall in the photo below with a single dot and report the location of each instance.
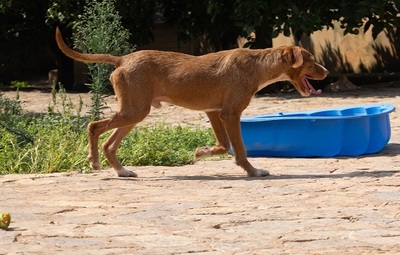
(351, 53)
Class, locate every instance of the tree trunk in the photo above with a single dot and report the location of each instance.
(65, 65)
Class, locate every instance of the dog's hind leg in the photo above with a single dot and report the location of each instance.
(123, 124)
(134, 106)
(110, 148)
(221, 136)
(94, 133)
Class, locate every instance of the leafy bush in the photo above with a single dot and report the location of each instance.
(57, 140)
(100, 31)
(163, 145)
(19, 84)
(48, 142)
(11, 120)
(9, 107)
(56, 147)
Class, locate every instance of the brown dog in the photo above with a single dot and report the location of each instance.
(221, 84)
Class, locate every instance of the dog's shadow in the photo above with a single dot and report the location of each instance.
(355, 174)
(390, 150)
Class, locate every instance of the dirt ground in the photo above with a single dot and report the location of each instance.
(342, 205)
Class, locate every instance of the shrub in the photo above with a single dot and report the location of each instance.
(100, 31)
(163, 145)
(57, 140)
(42, 143)
(11, 121)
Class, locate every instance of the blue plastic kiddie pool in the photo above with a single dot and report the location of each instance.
(347, 131)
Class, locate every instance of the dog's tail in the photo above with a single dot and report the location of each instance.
(84, 57)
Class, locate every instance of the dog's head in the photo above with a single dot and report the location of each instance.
(302, 67)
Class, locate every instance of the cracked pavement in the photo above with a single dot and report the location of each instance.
(307, 206)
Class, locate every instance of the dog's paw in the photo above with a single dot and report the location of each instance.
(95, 166)
(94, 162)
(202, 152)
(125, 173)
(258, 173)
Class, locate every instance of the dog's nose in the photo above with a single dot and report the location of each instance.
(325, 70)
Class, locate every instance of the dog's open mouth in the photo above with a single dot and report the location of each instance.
(309, 86)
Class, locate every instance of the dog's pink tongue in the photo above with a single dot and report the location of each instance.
(316, 91)
(312, 90)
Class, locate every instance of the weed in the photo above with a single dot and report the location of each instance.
(10, 120)
(46, 143)
(163, 145)
(10, 107)
(19, 84)
(57, 140)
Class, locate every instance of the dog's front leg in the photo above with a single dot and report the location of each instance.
(232, 126)
(220, 134)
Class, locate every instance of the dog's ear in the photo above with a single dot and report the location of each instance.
(293, 56)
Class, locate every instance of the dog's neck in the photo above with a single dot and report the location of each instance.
(271, 69)
(282, 77)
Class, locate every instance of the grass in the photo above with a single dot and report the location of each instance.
(163, 145)
(56, 141)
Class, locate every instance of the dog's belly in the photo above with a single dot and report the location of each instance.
(192, 104)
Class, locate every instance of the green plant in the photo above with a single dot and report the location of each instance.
(19, 84)
(10, 119)
(9, 107)
(163, 145)
(50, 142)
(57, 147)
(65, 113)
(57, 140)
(100, 31)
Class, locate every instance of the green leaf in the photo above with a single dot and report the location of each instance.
(367, 26)
(275, 33)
